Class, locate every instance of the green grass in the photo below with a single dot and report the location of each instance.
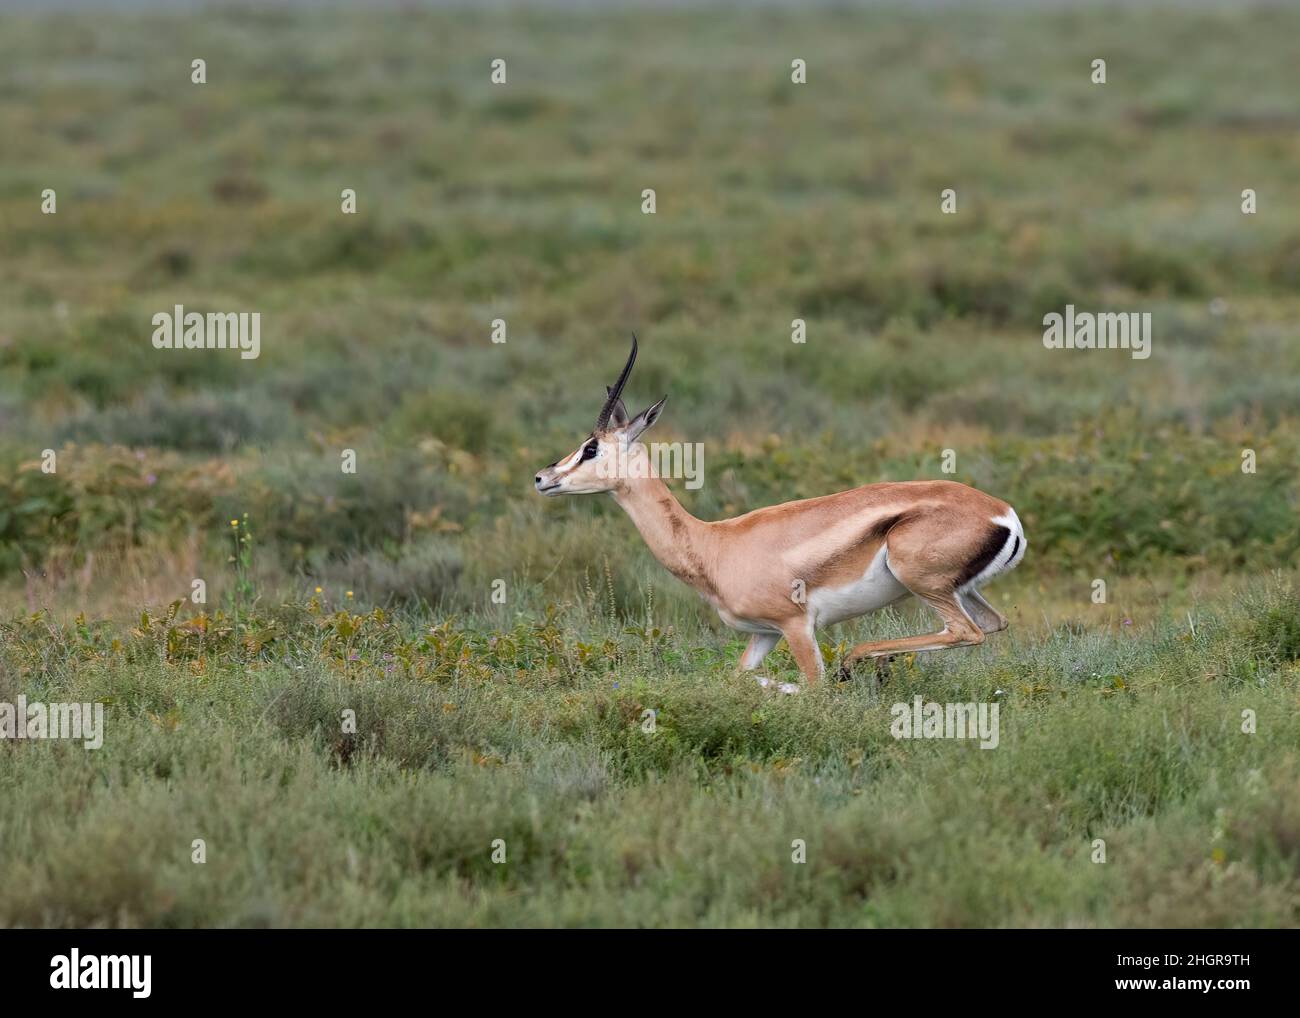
(522, 721)
(776, 201)
(1131, 735)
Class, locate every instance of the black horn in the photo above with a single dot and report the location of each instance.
(617, 390)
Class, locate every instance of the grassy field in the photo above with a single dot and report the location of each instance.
(525, 721)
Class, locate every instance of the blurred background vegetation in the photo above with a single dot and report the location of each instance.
(775, 201)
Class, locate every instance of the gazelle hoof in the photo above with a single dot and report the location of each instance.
(789, 688)
(763, 680)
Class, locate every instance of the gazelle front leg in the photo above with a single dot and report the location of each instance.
(803, 645)
(760, 645)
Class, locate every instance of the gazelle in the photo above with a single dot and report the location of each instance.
(791, 568)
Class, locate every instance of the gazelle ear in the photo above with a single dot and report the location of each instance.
(617, 416)
(644, 419)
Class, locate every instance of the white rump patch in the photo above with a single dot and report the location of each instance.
(1010, 555)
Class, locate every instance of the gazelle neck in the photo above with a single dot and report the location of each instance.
(681, 543)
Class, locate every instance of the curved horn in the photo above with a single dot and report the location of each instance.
(617, 390)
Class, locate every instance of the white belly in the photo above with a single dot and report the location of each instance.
(746, 625)
(876, 588)
(737, 621)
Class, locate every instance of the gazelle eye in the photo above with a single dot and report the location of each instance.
(589, 450)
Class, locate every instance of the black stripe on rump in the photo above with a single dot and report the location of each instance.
(994, 543)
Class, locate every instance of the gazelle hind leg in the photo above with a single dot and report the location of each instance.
(935, 560)
(959, 630)
(985, 615)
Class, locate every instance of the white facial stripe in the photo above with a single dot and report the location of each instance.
(571, 462)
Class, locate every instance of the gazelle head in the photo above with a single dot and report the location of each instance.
(600, 462)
